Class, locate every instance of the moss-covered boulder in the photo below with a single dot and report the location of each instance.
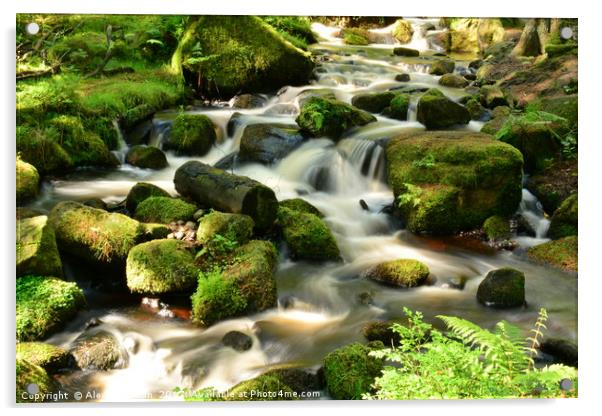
(146, 157)
(161, 266)
(502, 288)
(42, 151)
(33, 382)
(258, 59)
(476, 110)
(261, 388)
(448, 181)
(350, 371)
(499, 115)
(442, 66)
(554, 184)
(37, 252)
(98, 350)
(536, 135)
(560, 253)
(565, 219)
(374, 102)
(402, 31)
(301, 205)
(268, 143)
(307, 236)
(140, 192)
(191, 135)
(217, 228)
(50, 357)
(28, 182)
(163, 210)
(402, 273)
(497, 228)
(436, 111)
(44, 305)
(95, 235)
(492, 96)
(453, 81)
(401, 51)
(244, 284)
(398, 107)
(381, 331)
(322, 117)
(355, 36)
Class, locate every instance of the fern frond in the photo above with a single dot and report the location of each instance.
(531, 343)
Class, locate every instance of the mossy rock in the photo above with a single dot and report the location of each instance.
(301, 205)
(448, 181)
(244, 284)
(350, 371)
(497, 228)
(453, 81)
(401, 51)
(355, 36)
(236, 228)
(28, 182)
(95, 235)
(401, 273)
(402, 31)
(161, 266)
(267, 143)
(476, 110)
(298, 379)
(499, 115)
(502, 288)
(563, 106)
(381, 331)
(307, 236)
(261, 388)
(560, 253)
(436, 111)
(565, 219)
(140, 192)
(442, 67)
(374, 102)
(163, 210)
(41, 151)
(37, 252)
(398, 107)
(558, 49)
(146, 157)
(322, 117)
(554, 184)
(47, 356)
(98, 350)
(256, 55)
(44, 305)
(191, 135)
(492, 96)
(28, 374)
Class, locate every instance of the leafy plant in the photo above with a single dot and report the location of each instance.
(428, 161)
(469, 362)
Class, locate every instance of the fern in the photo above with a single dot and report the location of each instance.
(533, 342)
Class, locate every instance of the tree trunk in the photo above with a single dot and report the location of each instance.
(529, 43)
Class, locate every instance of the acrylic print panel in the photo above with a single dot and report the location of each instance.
(283, 208)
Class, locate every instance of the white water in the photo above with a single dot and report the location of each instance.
(325, 312)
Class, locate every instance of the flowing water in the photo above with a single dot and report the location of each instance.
(321, 306)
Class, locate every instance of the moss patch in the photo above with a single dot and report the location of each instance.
(436, 111)
(402, 273)
(50, 357)
(236, 228)
(496, 228)
(565, 219)
(191, 134)
(146, 157)
(37, 252)
(140, 192)
(502, 288)
(164, 210)
(300, 205)
(28, 373)
(28, 181)
(559, 253)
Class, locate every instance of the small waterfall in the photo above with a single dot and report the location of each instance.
(367, 155)
(533, 217)
(122, 146)
(158, 132)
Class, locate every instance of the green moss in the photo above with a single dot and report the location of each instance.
(374, 102)
(295, 29)
(398, 107)
(161, 266)
(453, 81)
(492, 96)
(496, 228)
(436, 111)
(37, 252)
(402, 31)
(307, 236)
(477, 111)
(556, 49)
(441, 67)
(262, 388)
(565, 219)
(502, 288)
(402, 272)
(164, 210)
(146, 157)
(349, 371)
(28, 373)
(28, 181)
(300, 205)
(49, 357)
(37, 147)
(563, 106)
(233, 227)
(140, 192)
(560, 253)
(191, 134)
(44, 304)
(355, 36)
(322, 117)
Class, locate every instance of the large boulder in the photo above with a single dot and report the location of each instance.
(161, 266)
(44, 305)
(436, 111)
(402, 273)
(502, 288)
(268, 143)
(223, 191)
(244, 285)
(163, 210)
(447, 181)
(350, 371)
(140, 192)
(37, 252)
(258, 59)
(217, 226)
(323, 117)
(565, 219)
(560, 253)
(191, 135)
(50, 357)
(402, 31)
(28, 182)
(146, 157)
(98, 350)
(307, 236)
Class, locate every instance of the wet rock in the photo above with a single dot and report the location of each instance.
(476, 64)
(268, 143)
(228, 162)
(93, 322)
(49, 357)
(476, 110)
(561, 253)
(456, 282)
(404, 273)
(237, 340)
(139, 133)
(99, 351)
(248, 101)
(37, 252)
(441, 67)
(365, 298)
(402, 31)
(436, 111)
(301, 205)
(502, 288)
(492, 96)
(146, 157)
(565, 219)
(563, 351)
(554, 184)
(401, 51)
(28, 182)
(402, 77)
(140, 192)
(364, 205)
(299, 380)
(237, 228)
(374, 102)
(191, 135)
(453, 81)
(96, 203)
(381, 331)
(398, 107)
(497, 228)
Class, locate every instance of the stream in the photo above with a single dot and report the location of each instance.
(321, 306)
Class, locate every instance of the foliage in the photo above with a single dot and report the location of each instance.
(295, 29)
(428, 161)
(561, 253)
(471, 362)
